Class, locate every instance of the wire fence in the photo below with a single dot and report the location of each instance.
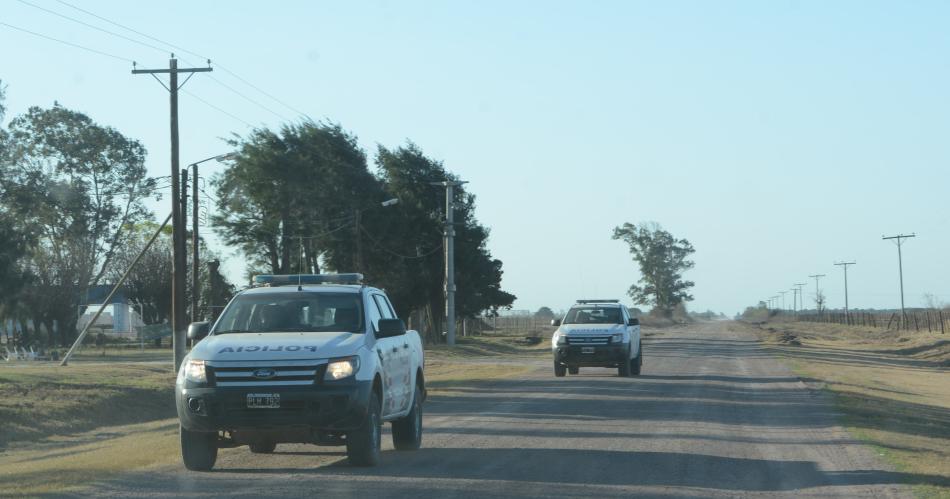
(527, 326)
(932, 320)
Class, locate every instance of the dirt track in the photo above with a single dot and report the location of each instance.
(712, 415)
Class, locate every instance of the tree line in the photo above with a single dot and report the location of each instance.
(302, 198)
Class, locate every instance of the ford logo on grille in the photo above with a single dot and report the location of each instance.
(264, 373)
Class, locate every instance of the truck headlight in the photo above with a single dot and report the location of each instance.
(195, 371)
(562, 339)
(342, 368)
(617, 338)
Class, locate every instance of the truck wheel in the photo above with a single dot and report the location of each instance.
(624, 369)
(199, 450)
(559, 369)
(636, 363)
(573, 370)
(362, 444)
(263, 447)
(407, 431)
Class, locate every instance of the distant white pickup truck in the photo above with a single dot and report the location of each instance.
(317, 358)
(597, 333)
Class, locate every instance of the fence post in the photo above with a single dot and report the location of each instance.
(941, 321)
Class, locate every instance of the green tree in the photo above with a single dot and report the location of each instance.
(414, 233)
(74, 185)
(216, 290)
(286, 191)
(662, 260)
(148, 285)
(544, 313)
(304, 198)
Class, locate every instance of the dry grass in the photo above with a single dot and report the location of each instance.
(893, 388)
(61, 464)
(43, 399)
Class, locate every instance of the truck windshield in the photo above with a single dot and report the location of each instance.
(292, 312)
(593, 315)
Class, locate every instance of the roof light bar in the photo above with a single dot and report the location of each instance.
(294, 279)
(598, 301)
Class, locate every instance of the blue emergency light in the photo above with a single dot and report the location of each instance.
(295, 279)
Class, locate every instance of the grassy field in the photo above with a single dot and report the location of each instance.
(108, 413)
(893, 388)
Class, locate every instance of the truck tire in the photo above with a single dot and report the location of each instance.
(559, 369)
(362, 444)
(636, 364)
(407, 431)
(199, 450)
(573, 370)
(263, 447)
(623, 370)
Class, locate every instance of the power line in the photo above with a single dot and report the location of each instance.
(216, 108)
(64, 16)
(219, 82)
(378, 245)
(252, 101)
(64, 42)
(182, 49)
(255, 87)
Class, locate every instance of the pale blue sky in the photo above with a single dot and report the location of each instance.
(778, 137)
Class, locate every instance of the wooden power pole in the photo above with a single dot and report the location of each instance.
(179, 260)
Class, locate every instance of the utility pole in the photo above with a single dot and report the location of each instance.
(212, 272)
(179, 263)
(183, 210)
(783, 299)
(449, 242)
(817, 291)
(801, 294)
(844, 265)
(195, 282)
(900, 266)
(359, 245)
(794, 291)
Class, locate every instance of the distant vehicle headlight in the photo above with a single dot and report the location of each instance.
(195, 371)
(617, 338)
(342, 368)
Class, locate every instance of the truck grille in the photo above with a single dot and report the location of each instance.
(588, 340)
(265, 373)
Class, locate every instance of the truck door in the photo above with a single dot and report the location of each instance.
(402, 361)
(386, 353)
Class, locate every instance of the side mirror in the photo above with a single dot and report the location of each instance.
(198, 330)
(555, 322)
(633, 322)
(391, 327)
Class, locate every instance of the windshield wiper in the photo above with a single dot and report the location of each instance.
(228, 331)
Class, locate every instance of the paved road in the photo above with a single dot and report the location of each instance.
(713, 415)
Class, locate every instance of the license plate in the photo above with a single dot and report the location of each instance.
(263, 401)
(587, 349)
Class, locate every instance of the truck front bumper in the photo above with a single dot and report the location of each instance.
(336, 406)
(588, 356)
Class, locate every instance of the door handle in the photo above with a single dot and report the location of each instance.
(395, 349)
(405, 345)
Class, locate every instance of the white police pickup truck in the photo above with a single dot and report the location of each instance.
(597, 333)
(317, 358)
